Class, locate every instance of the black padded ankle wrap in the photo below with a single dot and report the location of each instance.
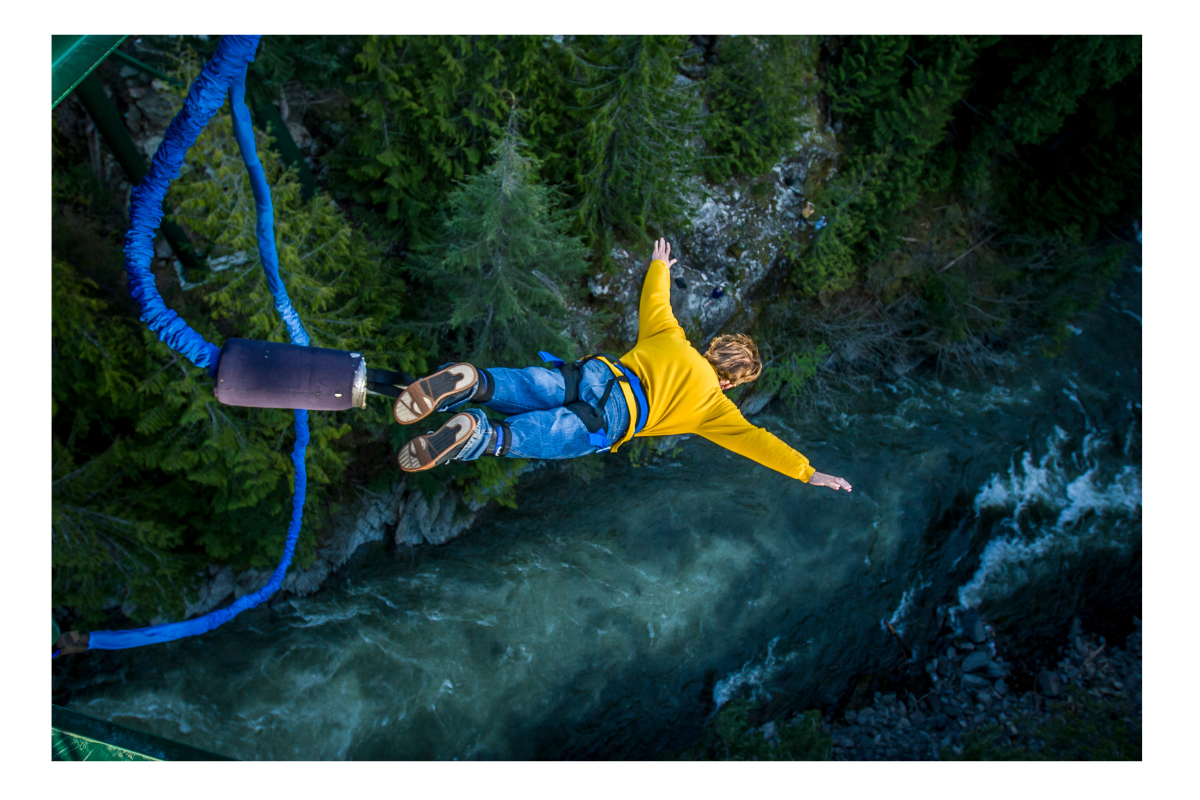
(484, 387)
(500, 429)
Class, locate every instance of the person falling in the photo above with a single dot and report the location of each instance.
(666, 388)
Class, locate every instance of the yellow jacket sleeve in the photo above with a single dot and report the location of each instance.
(728, 428)
(654, 311)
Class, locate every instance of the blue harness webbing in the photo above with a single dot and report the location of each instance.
(592, 417)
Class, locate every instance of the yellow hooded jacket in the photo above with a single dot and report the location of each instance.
(683, 391)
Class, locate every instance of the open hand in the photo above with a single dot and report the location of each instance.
(662, 252)
(821, 479)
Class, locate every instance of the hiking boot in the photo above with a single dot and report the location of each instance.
(438, 447)
(444, 387)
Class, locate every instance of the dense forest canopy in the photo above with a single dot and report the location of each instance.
(978, 195)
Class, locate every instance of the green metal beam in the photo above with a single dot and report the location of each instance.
(80, 737)
(74, 58)
(112, 128)
(142, 66)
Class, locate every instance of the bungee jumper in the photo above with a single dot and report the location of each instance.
(666, 388)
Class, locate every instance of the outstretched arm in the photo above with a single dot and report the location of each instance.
(654, 311)
(732, 431)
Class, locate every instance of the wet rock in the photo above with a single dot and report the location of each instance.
(1048, 683)
(975, 682)
(973, 627)
(976, 661)
(212, 593)
(436, 522)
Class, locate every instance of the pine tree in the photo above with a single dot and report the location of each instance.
(152, 475)
(638, 117)
(755, 96)
(504, 261)
(431, 109)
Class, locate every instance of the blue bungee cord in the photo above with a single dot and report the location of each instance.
(224, 74)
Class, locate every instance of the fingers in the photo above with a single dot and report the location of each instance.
(835, 483)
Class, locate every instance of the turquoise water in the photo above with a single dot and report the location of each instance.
(610, 619)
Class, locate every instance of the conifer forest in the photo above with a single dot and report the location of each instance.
(460, 198)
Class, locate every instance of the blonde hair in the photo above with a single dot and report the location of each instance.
(734, 357)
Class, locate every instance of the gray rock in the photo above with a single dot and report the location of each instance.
(995, 670)
(436, 522)
(212, 594)
(1048, 683)
(975, 682)
(866, 716)
(984, 696)
(1001, 687)
(977, 660)
(251, 581)
(977, 632)
(307, 581)
(917, 717)
(950, 653)
(851, 716)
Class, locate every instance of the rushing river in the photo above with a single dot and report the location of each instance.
(610, 619)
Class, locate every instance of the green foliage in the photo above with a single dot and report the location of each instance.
(728, 737)
(790, 376)
(1028, 145)
(643, 451)
(755, 97)
(504, 263)
(153, 477)
(897, 114)
(637, 120)
(430, 109)
(1081, 728)
(492, 479)
(316, 62)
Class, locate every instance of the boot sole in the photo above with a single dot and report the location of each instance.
(432, 449)
(422, 398)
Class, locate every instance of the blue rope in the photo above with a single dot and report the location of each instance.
(226, 72)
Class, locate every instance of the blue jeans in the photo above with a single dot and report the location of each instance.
(539, 426)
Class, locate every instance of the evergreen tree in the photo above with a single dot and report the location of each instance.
(504, 261)
(431, 110)
(638, 116)
(153, 477)
(755, 96)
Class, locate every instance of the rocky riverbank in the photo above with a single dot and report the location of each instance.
(1087, 705)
